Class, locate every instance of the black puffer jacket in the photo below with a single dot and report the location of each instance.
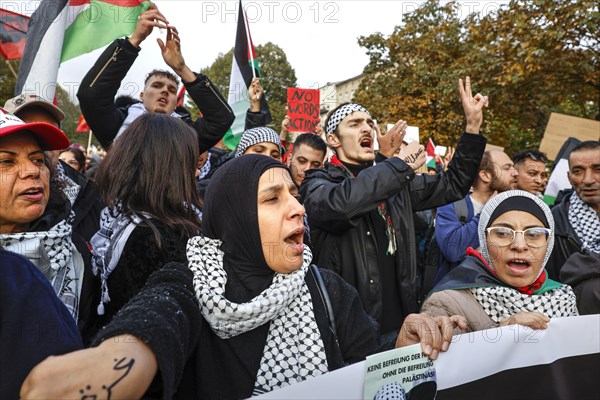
(338, 208)
(566, 241)
(100, 85)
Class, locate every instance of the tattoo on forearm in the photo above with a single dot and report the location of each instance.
(123, 365)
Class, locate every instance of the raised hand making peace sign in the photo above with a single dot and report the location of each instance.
(472, 105)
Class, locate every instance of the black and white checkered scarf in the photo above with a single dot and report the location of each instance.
(108, 244)
(257, 135)
(585, 222)
(500, 302)
(54, 254)
(70, 188)
(294, 349)
(338, 115)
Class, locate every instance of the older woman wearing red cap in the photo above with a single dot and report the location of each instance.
(34, 214)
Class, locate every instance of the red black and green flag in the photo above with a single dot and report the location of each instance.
(244, 68)
(13, 29)
(70, 28)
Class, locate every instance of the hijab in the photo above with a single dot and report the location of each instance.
(267, 335)
(498, 299)
(231, 216)
(515, 200)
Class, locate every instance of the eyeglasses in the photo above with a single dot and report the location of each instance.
(535, 157)
(502, 236)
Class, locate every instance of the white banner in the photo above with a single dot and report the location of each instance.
(472, 356)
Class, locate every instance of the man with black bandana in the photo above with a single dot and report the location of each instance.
(361, 215)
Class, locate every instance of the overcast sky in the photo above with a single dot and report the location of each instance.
(318, 37)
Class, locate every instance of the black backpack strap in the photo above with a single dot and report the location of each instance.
(325, 299)
(462, 210)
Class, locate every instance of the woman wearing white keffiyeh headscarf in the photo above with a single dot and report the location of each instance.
(506, 283)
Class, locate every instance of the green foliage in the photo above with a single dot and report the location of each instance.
(7, 79)
(277, 75)
(531, 57)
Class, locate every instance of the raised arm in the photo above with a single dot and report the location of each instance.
(100, 85)
(430, 191)
(156, 331)
(217, 115)
(255, 117)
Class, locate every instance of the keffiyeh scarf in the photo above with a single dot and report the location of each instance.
(70, 189)
(294, 349)
(257, 135)
(54, 254)
(108, 244)
(205, 169)
(585, 222)
(341, 113)
(500, 302)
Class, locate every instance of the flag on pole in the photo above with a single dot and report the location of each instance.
(13, 29)
(430, 149)
(181, 96)
(70, 28)
(559, 179)
(244, 67)
(82, 126)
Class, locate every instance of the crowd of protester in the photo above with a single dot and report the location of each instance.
(166, 267)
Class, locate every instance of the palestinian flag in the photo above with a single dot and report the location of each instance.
(13, 29)
(244, 68)
(430, 149)
(558, 178)
(70, 28)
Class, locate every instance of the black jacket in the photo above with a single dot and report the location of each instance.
(337, 208)
(566, 241)
(100, 85)
(166, 316)
(142, 255)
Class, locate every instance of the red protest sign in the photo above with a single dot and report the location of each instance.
(303, 109)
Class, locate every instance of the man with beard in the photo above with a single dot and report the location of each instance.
(456, 224)
(361, 215)
(577, 214)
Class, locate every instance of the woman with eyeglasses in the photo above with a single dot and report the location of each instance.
(506, 283)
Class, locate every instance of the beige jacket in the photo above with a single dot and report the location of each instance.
(458, 302)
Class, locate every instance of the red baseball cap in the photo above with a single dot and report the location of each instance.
(48, 136)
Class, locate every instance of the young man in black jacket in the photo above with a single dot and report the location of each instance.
(100, 85)
(361, 215)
